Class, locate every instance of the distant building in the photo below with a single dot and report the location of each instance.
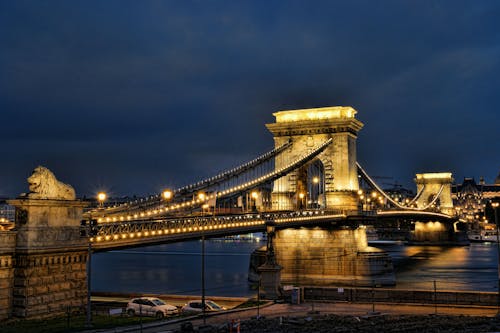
(472, 201)
(399, 193)
(7, 215)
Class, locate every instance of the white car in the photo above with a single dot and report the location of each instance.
(195, 307)
(150, 306)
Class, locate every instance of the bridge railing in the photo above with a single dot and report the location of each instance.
(120, 231)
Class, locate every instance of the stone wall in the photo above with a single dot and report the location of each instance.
(47, 284)
(7, 248)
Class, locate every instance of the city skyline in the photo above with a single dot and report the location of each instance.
(133, 98)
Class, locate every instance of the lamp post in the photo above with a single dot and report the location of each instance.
(201, 196)
(270, 271)
(89, 274)
(495, 207)
(88, 229)
(254, 196)
(270, 230)
(203, 277)
(301, 202)
(258, 299)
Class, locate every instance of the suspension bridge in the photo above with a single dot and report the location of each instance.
(310, 178)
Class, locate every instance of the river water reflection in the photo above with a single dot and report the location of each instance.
(176, 268)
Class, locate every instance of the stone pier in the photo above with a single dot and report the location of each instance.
(50, 258)
(43, 258)
(333, 256)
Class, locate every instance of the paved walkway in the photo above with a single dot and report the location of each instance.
(289, 310)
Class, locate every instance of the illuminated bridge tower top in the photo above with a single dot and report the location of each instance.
(329, 181)
(435, 190)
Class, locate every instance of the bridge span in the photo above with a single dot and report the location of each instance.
(115, 235)
(110, 236)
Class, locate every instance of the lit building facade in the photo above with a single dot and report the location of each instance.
(472, 201)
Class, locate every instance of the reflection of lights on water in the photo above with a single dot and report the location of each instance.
(429, 226)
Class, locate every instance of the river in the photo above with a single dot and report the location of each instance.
(176, 268)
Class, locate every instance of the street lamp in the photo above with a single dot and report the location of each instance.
(203, 208)
(167, 194)
(301, 197)
(254, 196)
(361, 196)
(203, 277)
(201, 196)
(101, 197)
(270, 230)
(316, 181)
(495, 207)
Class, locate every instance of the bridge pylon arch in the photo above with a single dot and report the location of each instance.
(307, 129)
(432, 185)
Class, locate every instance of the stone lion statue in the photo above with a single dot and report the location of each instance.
(44, 185)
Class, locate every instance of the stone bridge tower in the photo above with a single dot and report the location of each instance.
(331, 180)
(430, 185)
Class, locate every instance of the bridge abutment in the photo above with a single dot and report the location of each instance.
(49, 271)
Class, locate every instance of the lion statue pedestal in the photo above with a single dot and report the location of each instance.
(48, 216)
(50, 255)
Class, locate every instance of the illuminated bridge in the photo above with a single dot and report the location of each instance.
(311, 176)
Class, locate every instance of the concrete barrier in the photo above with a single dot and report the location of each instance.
(386, 295)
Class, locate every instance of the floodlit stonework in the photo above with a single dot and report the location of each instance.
(430, 184)
(44, 185)
(325, 256)
(43, 260)
(308, 129)
(7, 247)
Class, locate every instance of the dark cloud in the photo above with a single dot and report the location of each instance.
(133, 96)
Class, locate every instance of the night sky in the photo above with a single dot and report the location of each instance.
(135, 96)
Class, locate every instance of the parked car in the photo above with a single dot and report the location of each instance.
(150, 306)
(195, 306)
